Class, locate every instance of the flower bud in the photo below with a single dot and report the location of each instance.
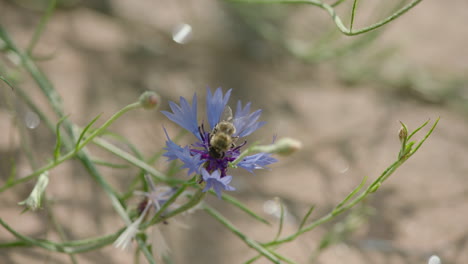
(150, 100)
(287, 146)
(403, 133)
(284, 147)
(33, 202)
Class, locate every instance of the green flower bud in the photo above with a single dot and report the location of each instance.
(284, 147)
(287, 146)
(150, 100)
(403, 133)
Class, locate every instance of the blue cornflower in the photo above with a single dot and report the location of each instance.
(215, 148)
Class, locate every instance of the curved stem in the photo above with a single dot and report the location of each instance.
(331, 11)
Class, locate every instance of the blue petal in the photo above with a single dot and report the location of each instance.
(246, 122)
(174, 151)
(215, 182)
(184, 115)
(256, 161)
(215, 105)
(192, 163)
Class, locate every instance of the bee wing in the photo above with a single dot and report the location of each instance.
(246, 124)
(227, 114)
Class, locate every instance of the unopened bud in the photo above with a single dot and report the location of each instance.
(150, 100)
(33, 202)
(403, 133)
(287, 146)
(284, 147)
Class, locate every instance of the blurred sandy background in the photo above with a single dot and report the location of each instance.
(341, 99)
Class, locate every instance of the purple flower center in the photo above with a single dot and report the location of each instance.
(214, 162)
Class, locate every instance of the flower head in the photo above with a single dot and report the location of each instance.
(216, 148)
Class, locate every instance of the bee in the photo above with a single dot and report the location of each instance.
(221, 138)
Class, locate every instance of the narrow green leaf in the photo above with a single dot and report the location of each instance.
(306, 217)
(417, 129)
(85, 130)
(238, 204)
(252, 260)
(353, 13)
(42, 24)
(124, 140)
(425, 137)
(58, 142)
(76, 246)
(352, 193)
(281, 222)
(144, 248)
(12, 176)
(250, 242)
(7, 82)
(110, 164)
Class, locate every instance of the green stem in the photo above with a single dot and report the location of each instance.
(157, 216)
(353, 12)
(338, 22)
(250, 242)
(111, 120)
(70, 247)
(194, 200)
(131, 159)
(144, 248)
(40, 28)
(372, 188)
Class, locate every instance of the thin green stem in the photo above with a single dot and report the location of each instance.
(250, 242)
(157, 217)
(144, 248)
(336, 19)
(111, 120)
(281, 222)
(338, 2)
(131, 159)
(346, 206)
(353, 13)
(70, 247)
(38, 171)
(194, 200)
(228, 198)
(40, 28)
